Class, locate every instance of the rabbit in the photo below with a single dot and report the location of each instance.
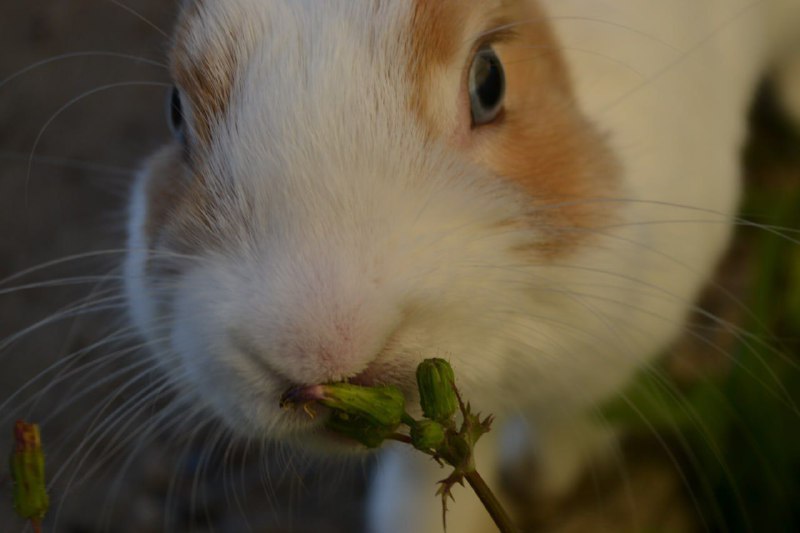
(352, 187)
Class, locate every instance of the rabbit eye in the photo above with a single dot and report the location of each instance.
(175, 113)
(487, 86)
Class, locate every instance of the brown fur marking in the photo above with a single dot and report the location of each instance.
(204, 61)
(542, 143)
(436, 32)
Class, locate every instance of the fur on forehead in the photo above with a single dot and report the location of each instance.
(314, 90)
(300, 92)
(215, 44)
(214, 40)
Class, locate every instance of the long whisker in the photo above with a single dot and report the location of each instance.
(67, 162)
(58, 282)
(723, 217)
(741, 335)
(143, 368)
(611, 323)
(227, 460)
(140, 17)
(173, 482)
(94, 254)
(681, 58)
(73, 55)
(66, 361)
(102, 304)
(128, 409)
(97, 384)
(120, 418)
(74, 101)
(191, 416)
(201, 472)
(568, 18)
(586, 51)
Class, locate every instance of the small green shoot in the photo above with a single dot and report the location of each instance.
(372, 415)
(27, 472)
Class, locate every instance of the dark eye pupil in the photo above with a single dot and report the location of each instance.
(175, 111)
(486, 86)
(489, 81)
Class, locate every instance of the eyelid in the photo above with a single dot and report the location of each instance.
(502, 32)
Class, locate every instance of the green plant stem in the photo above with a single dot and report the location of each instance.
(492, 504)
(407, 420)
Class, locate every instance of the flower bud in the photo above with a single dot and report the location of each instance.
(380, 406)
(437, 394)
(427, 435)
(27, 471)
(359, 429)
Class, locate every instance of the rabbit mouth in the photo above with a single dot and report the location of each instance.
(376, 374)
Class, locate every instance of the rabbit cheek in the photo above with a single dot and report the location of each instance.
(542, 143)
(178, 215)
(548, 148)
(563, 167)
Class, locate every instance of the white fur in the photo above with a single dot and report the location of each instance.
(351, 230)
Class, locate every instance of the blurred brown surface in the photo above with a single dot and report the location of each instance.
(70, 200)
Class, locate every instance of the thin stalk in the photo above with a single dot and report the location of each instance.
(490, 501)
(399, 437)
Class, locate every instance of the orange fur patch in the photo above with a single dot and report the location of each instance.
(436, 34)
(183, 215)
(436, 28)
(542, 142)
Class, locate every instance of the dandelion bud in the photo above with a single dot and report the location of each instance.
(380, 406)
(27, 471)
(427, 435)
(437, 393)
(359, 429)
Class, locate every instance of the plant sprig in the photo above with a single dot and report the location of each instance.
(372, 415)
(27, 472)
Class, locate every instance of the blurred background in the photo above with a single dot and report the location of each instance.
(713, 441)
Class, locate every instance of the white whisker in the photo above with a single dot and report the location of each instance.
(74, 55)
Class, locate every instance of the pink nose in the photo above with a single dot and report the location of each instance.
(317, 317)
(336, 347)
